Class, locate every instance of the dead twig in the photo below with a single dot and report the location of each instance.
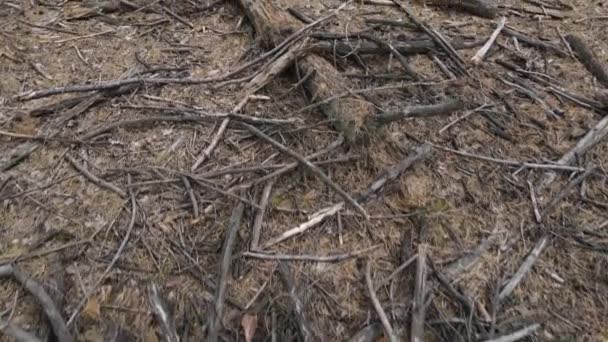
(480, 55)
(525, 267)
(94, 179)
(308, 257)
(216, 315)
(388, 329)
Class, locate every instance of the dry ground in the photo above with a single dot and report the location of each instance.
(457, 202)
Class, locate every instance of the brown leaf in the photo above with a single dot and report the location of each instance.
(249, 324)
(92, 309)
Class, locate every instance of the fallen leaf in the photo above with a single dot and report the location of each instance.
(92, 309)
(249, 324)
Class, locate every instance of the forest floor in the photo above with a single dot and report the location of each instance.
(98, 204)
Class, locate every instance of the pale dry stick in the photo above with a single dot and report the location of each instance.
(115, 258)
(162, 314)
(398, 270)
(307, 257)
(559, 167)
(388, 329)
(537, 215)
(525, 267)
(420, 291)
(310, 166)
(259, 217)
(480, 55)
(517, 335)
(216, 315)
(94, 179)
(315, 219)
(464, 116)
(595, 135)
(60, 329)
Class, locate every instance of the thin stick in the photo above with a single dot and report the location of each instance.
(307, 257)
(94, 179)
(315, 219)
(115, 258)
(216, 315)
(512, 162)
(388, 329)
(304, 325)
(480, 55)
(209, 149)
(525, 267)
(517, 335)
(162, 314)
(419, 308)
(259, 217)
(310, 166)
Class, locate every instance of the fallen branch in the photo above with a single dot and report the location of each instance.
(480, 55)
(53, 314)
(388, 329)
(414, 47)
(306, 257)
(216, 315)
(304, 325)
